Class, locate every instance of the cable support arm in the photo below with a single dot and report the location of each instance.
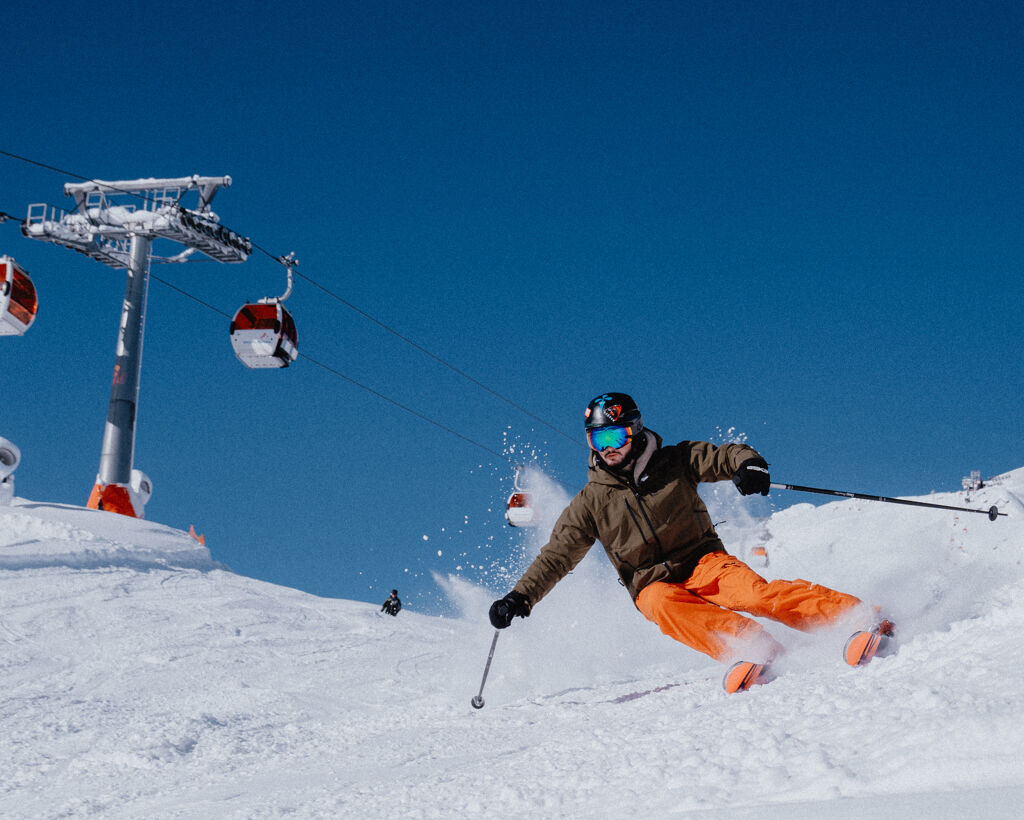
(289, 262)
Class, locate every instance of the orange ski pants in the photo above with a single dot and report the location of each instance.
(701, 611)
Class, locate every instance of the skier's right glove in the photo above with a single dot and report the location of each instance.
(504, 610)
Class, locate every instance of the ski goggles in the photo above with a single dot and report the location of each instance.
(603, 438)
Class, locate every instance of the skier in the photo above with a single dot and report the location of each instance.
(641, 502)
(392, 603)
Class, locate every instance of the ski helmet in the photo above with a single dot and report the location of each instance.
(614, 410)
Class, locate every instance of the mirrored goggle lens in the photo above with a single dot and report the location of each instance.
(601, 438)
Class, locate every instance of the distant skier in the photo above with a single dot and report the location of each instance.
(641, 502)
(392, 604)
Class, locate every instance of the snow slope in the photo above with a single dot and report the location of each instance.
(140, 678)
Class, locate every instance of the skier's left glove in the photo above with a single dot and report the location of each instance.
(753, 477)
(504, 610)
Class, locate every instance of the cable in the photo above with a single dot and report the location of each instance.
(44, 165)
(341, 375)
(419, 347)
(196, 299)
(418, 415)
(422, 349)
(438, 359)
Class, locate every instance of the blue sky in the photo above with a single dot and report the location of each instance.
(798, 220)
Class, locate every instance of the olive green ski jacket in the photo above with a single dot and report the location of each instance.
(652, 523)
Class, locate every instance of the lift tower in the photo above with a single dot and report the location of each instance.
(117, 223)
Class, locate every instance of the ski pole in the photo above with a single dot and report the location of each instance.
(991, 512)
(478, 700)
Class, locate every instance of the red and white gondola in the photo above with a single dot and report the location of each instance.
(263, 333)
(520, 509)
(18, 301)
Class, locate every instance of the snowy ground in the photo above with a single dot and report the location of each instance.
(139, 679)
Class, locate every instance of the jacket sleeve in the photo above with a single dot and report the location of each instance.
(571, 538)
(710, 462)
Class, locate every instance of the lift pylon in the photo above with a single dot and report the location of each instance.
(117, 223)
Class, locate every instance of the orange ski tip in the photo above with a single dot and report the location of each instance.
(862, 647)
(744, 674)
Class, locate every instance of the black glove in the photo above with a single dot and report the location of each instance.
(752, 477)
(504, 610)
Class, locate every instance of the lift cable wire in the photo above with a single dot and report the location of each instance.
(282, 260)
(341, 375)
(422, 349)
(44, 165)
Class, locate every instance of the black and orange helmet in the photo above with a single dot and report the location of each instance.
(614, 410)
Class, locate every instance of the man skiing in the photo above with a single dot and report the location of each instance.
(641, 503)
(392, 604)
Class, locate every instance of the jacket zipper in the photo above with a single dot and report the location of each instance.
(643, 511)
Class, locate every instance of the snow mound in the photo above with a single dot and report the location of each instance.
(34, 535)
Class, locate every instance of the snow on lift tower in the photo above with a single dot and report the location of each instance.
(117, 223)
(263, 333)
(973, 481)
(18, 302)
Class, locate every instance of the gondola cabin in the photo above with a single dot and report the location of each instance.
(263, 334)
(18, 302)
(520, 510)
